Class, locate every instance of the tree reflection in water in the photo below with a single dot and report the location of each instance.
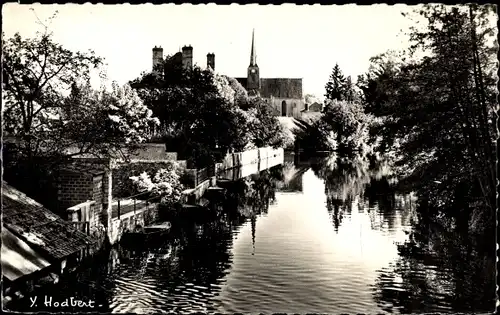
(345, 181)
(439, 268)
(290, 177)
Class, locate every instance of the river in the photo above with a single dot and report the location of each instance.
(304, 237)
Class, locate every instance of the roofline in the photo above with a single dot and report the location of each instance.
(91, 172)
(281, 78)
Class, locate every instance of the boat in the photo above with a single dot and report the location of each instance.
(148, 234)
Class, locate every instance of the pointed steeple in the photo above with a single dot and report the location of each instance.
(253, 55)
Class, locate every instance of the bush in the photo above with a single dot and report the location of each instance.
(123, 186)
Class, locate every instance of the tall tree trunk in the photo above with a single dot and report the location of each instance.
(483, 114)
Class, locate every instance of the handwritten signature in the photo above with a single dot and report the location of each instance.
(49, 301)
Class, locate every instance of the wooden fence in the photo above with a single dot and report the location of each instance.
(133, 203)
(204, 174)
(81, 226)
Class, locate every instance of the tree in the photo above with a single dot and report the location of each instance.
(335, 87)
(349, 124)
(37, 71)
(264, 128)
(241, 94)
(108, 120)
(442, 111)
(197, 112)
(381, 82)
(52, 113)
(203, 114)
(311, 99)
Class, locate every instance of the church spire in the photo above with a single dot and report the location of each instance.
(253, 55)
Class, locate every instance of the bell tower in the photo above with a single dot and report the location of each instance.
(253, 78)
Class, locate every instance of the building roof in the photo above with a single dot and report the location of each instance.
(243, 81)
(39, 227)
(316, 106)
(278, 87)
(18, 258)
(281, 87)
(87, 167)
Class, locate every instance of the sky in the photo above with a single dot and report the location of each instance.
(291, 41)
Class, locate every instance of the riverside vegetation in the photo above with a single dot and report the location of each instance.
(429, 113)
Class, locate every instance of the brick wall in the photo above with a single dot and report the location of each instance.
(76, 188)
(73, 188)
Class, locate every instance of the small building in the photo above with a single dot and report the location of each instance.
(36, 244)
(82, 181)
(315, 107)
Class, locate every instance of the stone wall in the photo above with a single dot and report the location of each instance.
(129, 221)
(293, 106)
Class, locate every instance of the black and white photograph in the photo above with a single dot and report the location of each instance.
(249, 159)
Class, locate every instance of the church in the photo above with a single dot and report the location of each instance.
(284, 94)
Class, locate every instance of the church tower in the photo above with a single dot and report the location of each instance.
(253, 78)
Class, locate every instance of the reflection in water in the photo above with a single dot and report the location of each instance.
(290, 177)
(314, 236)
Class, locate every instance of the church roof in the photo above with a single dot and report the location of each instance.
(278, 87)
(242, 81)
(281, 87)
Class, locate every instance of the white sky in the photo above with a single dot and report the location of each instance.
(291, 41)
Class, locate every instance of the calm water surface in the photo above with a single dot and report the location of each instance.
(300, 238)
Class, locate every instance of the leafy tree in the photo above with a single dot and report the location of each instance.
(441, 110)
(197, 112)
(46, 121)
(204, 115)
(348, 123)
(264, 128)
(37, 71)
(165, 182)
(51, 113)
(241, 95)
(311, 99)
(381, 82)
(106, 121)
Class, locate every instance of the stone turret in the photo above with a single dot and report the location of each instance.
(211, 61)
(187, 56)
(157, 58)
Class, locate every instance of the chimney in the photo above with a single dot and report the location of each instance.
(211, 61)
(187, 57)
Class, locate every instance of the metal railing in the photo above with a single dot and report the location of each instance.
(133, 203)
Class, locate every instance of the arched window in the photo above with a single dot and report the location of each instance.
(283, 108)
